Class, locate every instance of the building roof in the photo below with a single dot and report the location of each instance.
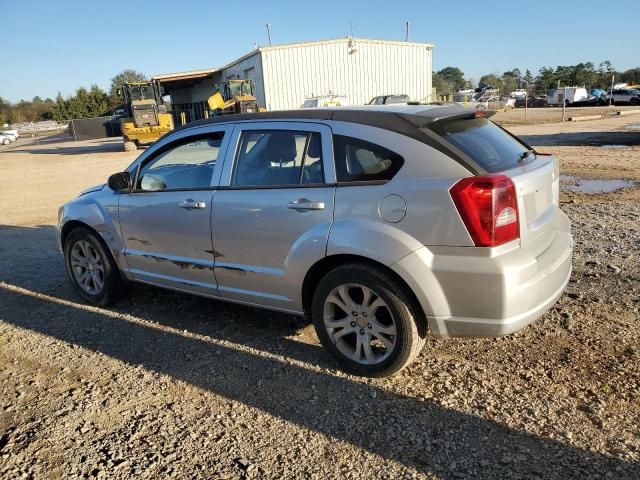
(184, 79)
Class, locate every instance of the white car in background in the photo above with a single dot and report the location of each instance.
(11, 133)
(624, 95)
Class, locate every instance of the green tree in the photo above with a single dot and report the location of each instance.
(491, 79)
(98, 101)
(453, 77)
(511, 80)
(546, 79)
(631, 76)
(119, 80)
(439, 83)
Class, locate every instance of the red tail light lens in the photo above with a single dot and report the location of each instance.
(489, 209)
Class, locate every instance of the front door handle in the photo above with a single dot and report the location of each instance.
(189, 204)
(303, 205)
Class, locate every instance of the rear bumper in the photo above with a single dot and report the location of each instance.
(468, 295)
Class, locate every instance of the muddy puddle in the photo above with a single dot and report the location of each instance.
(633, 127)
(614, 146)
(591, 186)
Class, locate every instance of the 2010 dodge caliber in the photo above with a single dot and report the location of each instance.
(380, 223)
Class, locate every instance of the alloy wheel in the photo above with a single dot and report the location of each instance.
(87, 267)
(360, 323)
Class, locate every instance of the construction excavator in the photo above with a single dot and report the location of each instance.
(146, 118)
(234, 96)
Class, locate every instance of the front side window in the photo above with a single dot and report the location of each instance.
(186, 164)
(278, 158)
(361, 161)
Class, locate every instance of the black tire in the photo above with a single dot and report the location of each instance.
(410, 322)
(634, 101)
(114, 286)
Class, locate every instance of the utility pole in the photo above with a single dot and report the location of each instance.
(611, 93)
(269, 33)
(406, 34)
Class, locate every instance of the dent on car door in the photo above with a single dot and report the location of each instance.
(166, 220)
(273, 211)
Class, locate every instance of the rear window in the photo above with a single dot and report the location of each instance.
(487, 144)
(361, 161)
(397, 99)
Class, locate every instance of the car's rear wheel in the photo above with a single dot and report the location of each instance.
(91, 268)
(367, 320)
(6, 141)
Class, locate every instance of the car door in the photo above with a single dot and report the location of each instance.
(273, 211)
(165, 220)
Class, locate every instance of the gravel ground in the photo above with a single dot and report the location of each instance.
(516, 116)
(169, 385)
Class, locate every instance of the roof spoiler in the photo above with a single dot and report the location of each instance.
(445, 114)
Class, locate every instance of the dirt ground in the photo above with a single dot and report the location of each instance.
(166, 385)
(516, 116)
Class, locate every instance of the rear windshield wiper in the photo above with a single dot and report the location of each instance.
(526, 154)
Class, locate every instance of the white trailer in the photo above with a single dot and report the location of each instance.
(567, 95)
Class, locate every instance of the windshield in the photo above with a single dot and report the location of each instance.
(487, 144)
(239, 88)
(141, 92)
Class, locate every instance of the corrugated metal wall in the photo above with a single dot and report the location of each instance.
(249, 67)
(293, 73)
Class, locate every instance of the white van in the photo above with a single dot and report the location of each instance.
(573, 95)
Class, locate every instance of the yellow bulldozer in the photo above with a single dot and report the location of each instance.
(146, 118)
(234, 96)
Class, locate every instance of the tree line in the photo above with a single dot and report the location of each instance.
(92, 102)
(451, 79)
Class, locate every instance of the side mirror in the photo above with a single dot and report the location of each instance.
(119, 182)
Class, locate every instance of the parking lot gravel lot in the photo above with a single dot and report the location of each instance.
(169, 385)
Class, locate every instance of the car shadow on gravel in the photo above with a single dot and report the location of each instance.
(214, 346)
(587, 139)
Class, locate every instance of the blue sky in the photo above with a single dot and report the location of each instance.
(61, 45)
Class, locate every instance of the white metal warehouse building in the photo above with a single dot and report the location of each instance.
(286, 75)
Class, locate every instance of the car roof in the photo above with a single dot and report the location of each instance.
(393, 117)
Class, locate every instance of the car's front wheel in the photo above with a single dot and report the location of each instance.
(367, 320)
(91, 268)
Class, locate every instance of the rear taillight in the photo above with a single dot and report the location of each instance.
(489, 209)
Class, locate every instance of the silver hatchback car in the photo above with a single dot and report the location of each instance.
(380, 223)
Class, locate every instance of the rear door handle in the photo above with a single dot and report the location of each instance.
(303, 205)
(189, 204)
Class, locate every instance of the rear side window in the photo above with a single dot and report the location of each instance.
(278, 158)
(361, 161)
(487, 144)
